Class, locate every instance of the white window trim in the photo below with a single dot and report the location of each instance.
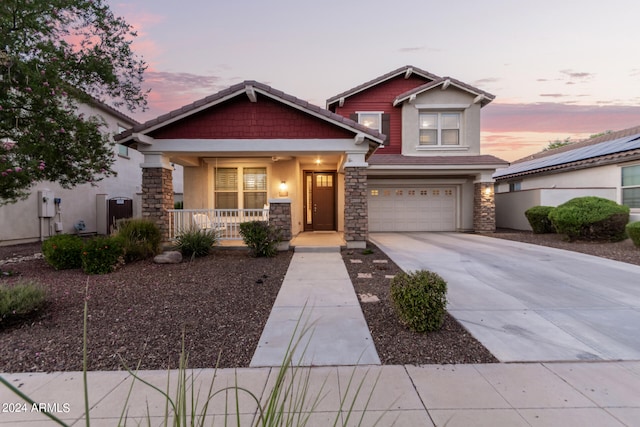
(439, 145)
(240, 167)
(621, 198)
(378, 113)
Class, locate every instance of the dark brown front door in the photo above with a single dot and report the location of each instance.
(320, 200)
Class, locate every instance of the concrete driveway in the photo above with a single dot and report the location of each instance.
(526, 302)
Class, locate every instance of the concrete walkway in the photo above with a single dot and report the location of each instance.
(533, 394)
(527, 302)
(318, 293)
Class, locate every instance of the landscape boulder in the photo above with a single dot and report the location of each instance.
(169, 257)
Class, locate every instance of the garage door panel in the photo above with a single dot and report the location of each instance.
(412, 208)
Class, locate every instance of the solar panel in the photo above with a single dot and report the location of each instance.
(631, 142)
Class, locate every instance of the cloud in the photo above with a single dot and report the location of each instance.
(170, 90)
(577, 75)
(558, 117)
(487, 80)
(179, 81)
(417, 49)
(553, 95)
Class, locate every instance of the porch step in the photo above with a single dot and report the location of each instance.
(317, 249)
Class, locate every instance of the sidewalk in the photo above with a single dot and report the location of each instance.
(532, 394)
(317, 292)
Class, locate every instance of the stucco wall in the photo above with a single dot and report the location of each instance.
(510, 207)
(469, 122)
(19, 222)
(555, 189)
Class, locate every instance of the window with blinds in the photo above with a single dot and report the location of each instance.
(230, 195)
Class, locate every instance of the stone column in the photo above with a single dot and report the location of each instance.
(484, 208)
(280, 217)
(356, 220)
(157, 196)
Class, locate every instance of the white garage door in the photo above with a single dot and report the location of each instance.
(412, 208)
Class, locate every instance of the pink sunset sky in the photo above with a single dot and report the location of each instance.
(558, 68)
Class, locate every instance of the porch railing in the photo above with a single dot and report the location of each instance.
(224, 222)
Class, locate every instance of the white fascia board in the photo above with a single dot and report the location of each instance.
(249, 146)
(458, 168)
(142, 139)
(442, 106)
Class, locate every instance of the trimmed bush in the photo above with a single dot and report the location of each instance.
(633, 230)
(420, 299)
(591, 218)
(261, 237)
(101, 255)
(21, 299)
(196, 242)
(538, 217)
(141, 238)
(63, 251)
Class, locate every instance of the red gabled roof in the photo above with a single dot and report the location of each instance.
(244, 89)
(486, 97)
(407, 70)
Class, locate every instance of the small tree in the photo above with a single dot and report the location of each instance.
(55, 54)
(558, 143)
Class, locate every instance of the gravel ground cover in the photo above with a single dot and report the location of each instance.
(219, 304)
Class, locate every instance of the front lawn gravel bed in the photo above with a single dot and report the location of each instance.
(219, 303)
(396, 344)
(222, 303)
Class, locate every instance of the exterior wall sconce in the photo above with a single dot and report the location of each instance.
(488, 190)
(283, 189)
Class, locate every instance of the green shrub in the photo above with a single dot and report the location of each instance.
(20, 300)
(538, 217)
(100, 255)
(261, 237)
(141, 238)
(420, 299)
(63, 251)
(633, 230)
(591, 218)
(195, 242)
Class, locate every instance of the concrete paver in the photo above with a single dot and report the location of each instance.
(316, 292)
(528, 394)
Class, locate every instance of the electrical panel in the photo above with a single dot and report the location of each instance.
(46, 205)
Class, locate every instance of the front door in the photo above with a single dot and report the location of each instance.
(320, 201)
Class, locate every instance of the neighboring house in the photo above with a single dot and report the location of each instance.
(605, 166)
(84, 208)
(252, 150)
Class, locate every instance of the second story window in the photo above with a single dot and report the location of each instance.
(372, 120)
(439, 129)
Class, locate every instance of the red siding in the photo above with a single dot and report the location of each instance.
(380, 98)
(239, 118)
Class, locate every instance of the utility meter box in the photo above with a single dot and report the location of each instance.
(46, 206)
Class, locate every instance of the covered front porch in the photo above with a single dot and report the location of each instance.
(249, 150)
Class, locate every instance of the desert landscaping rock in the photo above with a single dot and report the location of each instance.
(168, 257)
(368, 298)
